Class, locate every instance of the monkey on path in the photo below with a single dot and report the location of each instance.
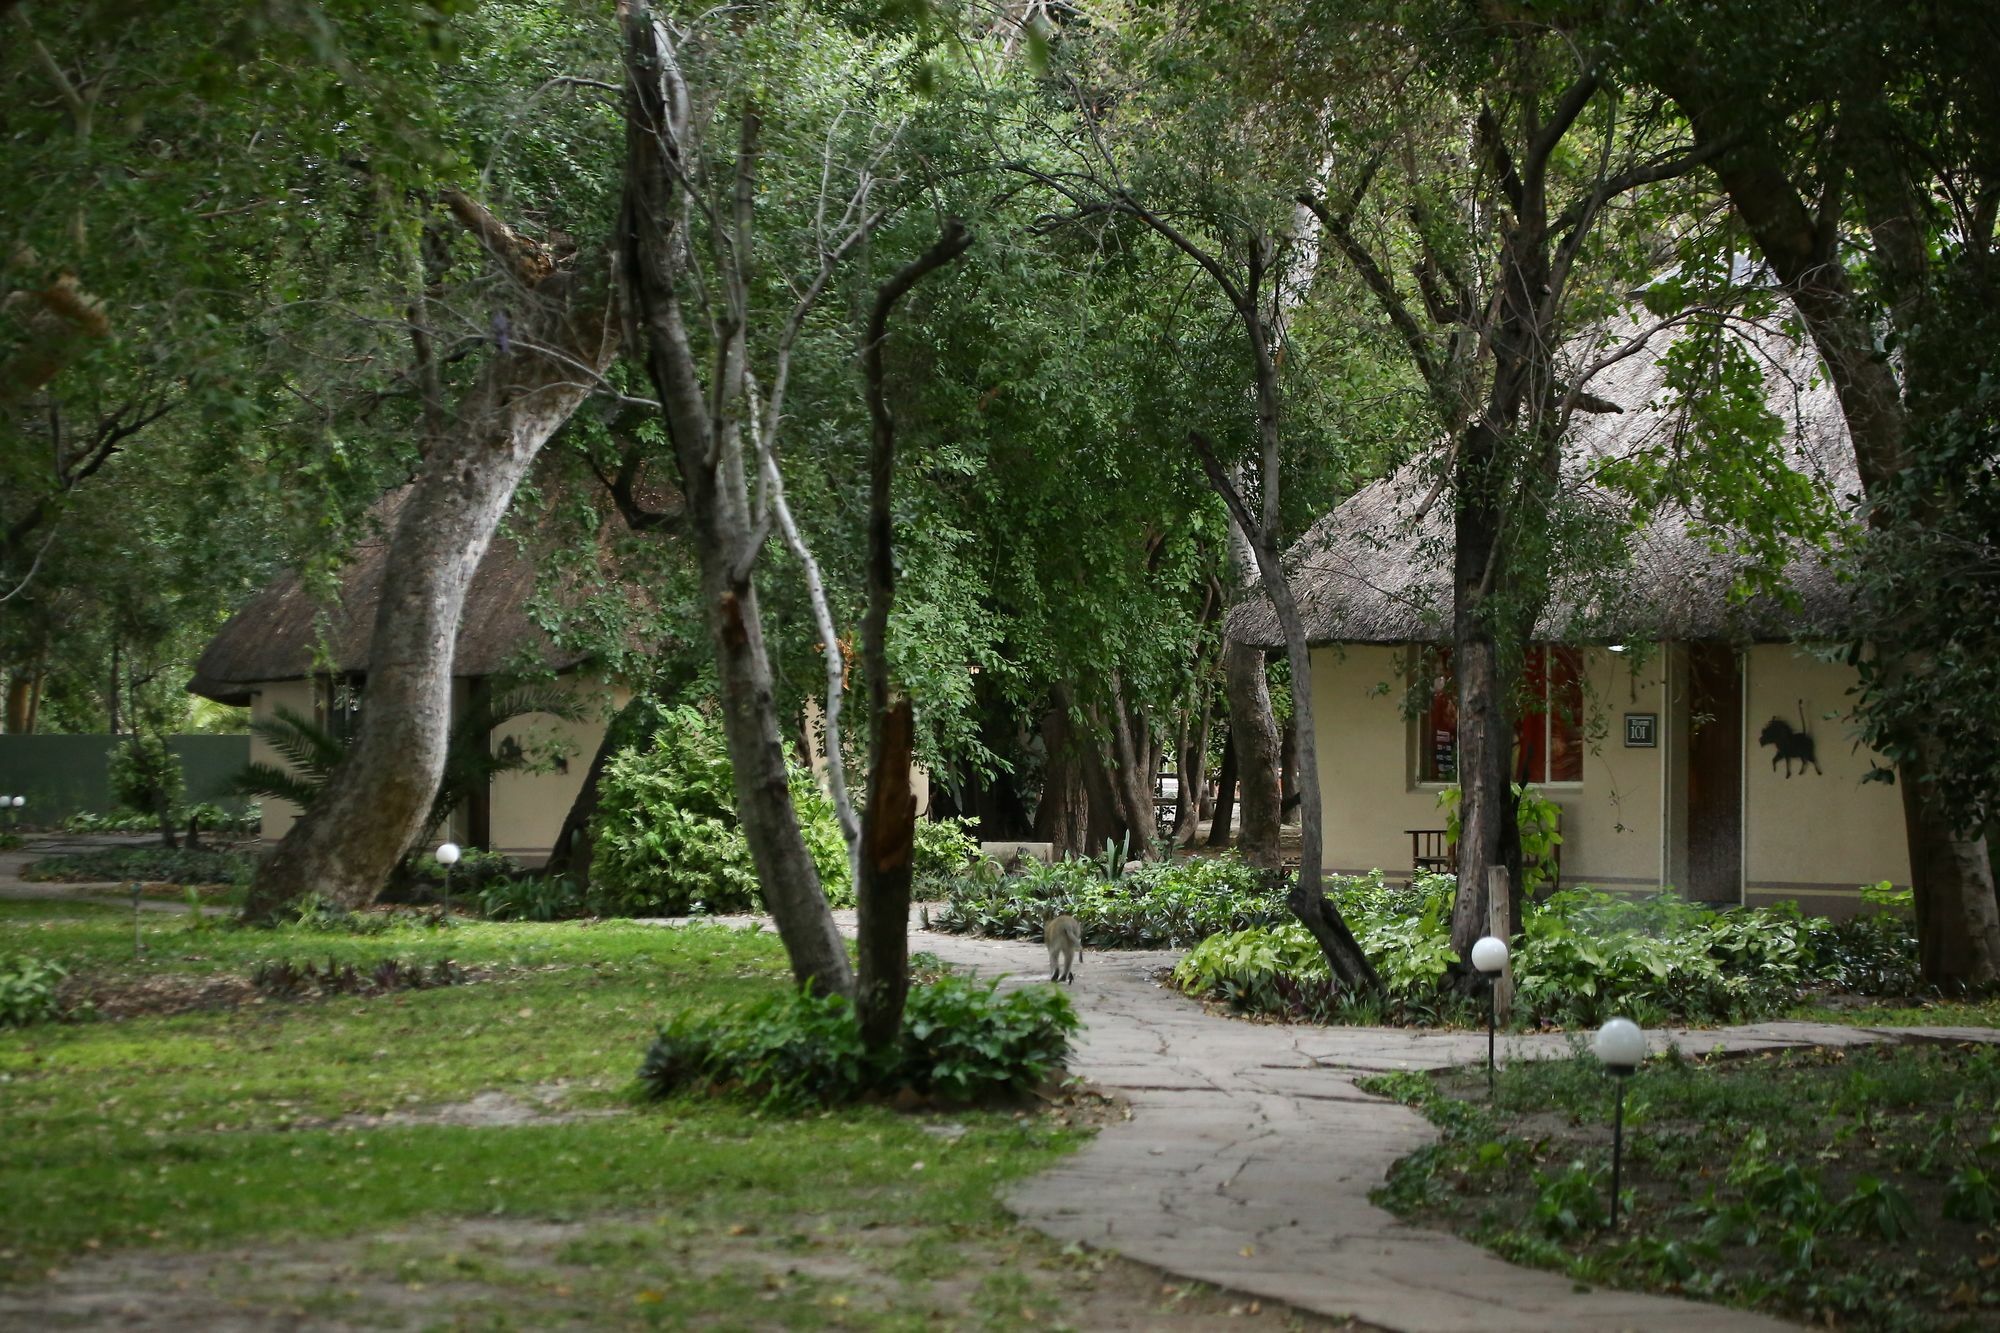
(1064, 936)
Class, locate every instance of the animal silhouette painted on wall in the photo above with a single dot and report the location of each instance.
(1789, 745)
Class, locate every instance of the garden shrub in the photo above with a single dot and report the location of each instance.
(145, 774)
(961, 1040)
(1163, 904)
(945, 847)
(667, 837)
(1583, 956)
(28, 990)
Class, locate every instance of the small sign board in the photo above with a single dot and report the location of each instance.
(1642, 731)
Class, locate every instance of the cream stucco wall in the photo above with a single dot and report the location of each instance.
(529, 806)
(1371, 798)
(1813, 836)
(265, 701)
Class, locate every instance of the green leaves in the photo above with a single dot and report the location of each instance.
(668, 838)
(961, 1039)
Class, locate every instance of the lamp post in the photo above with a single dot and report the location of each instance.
(1489, 955)
(1620, 1044)
(447, 856)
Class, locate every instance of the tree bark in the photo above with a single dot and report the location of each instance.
(1289, 800)
(1307, 899)
(1950, 870)
(889, 825)
(1253, 733)
(1225, 795)
(702, 418)
(1192, 760)
(344, 847)
(1062, 819)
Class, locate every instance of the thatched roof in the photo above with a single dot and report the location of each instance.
(1366, 573)
(279, 633)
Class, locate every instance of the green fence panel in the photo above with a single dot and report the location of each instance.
(65, 775)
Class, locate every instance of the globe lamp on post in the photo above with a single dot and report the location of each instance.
(1620, 1045)
(447, 856)
(1489, 956)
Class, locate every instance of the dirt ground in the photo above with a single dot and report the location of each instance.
(527, 1274)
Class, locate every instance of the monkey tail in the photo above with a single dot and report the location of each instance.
(1802, 719)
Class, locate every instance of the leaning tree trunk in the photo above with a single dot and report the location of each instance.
(703, 402)
(1951, 873)
(344, 847)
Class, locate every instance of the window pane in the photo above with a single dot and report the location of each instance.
(1531, 728)
(1438, 742)
(1565, 715)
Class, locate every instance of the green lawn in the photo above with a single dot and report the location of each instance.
(249, 1125)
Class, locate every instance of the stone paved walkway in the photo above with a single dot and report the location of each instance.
(1251, 1153)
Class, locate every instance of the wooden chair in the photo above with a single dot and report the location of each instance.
(1429, 851)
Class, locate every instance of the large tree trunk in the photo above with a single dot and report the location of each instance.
(1950, 871)
(344, 847)
(1063, 817)
(1192, 761)
(1253, 733)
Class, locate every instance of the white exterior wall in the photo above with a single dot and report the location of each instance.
(1812, 838)
(265, 701)
(528, 806)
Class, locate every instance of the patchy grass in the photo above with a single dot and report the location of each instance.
(265, 1124)
(1903, 1013)
(1855, 1188)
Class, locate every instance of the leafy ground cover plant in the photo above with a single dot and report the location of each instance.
(668, 840)
(30, 990)
(961, 1041)
(1584, 956)
(146, 865)
(1851, 1188)
(204, 815)
(1162, 904)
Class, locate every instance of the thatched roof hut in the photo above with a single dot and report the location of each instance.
(1371, 571)
(285, 633)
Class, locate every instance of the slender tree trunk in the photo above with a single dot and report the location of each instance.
(344, 847)
(889, 827)
(1192, 760)
(701, 410)
(1288, 772)
(1225, 795)
(576, 841)
(19, 689)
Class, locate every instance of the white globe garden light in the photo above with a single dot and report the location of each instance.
(1489, 954)
(20, 801)
(447, 854)
(1621, 1045)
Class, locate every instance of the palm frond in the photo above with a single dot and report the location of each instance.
(270, 782)
(305, 745)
